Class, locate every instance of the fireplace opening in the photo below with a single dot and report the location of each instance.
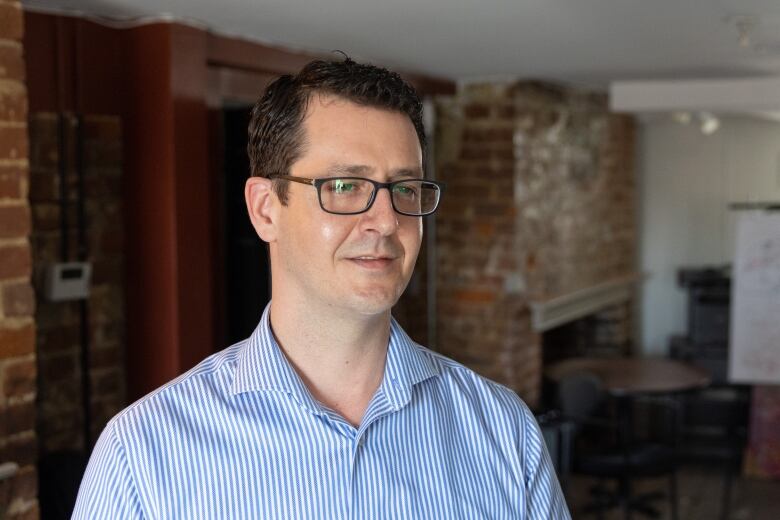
(606, 333)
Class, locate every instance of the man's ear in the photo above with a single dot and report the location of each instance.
(263, 206)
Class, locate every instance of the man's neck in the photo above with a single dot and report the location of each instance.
(339, 357)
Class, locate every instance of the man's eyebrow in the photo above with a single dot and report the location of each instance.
(360, 170)
(348, 169)
(407, 173)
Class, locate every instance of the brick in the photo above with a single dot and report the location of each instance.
(17, 341)
(103, 186)
(14, 221)
(18, 300)
(473, 153)
(17, 418)
(13, 142)
(44, 187)
(104, 358)
(25, 484)
(11, 182)
(56, 396)
(103, 155)
(475, 296)
(106, 383)
(106, 304)
(58, 339)
(58, 367)
(11, 21)
(476, 111)
(11, 63)
(53, 315)
(15, 261)
(32, 513)
(44, 154)
(506, 112)
(62, 432)
(108, 333)
(20, 449)
(108, 270)
(13, 99)
(19, 378)
(45, 217)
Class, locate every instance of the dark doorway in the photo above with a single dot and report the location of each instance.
(247, 270)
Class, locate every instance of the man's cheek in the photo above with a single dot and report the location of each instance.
(331, 230)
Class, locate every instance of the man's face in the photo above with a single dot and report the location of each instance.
(362, 262)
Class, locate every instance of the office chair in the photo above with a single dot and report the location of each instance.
(608, 450)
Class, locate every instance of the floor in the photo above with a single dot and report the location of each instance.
(700, 491)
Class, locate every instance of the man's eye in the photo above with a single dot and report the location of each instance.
(342, 187)
(406, 190)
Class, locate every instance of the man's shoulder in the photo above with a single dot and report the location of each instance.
(208, 380)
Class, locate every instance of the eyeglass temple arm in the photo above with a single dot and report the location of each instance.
(301, 180)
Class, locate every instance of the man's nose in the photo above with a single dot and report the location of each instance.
(381, 216)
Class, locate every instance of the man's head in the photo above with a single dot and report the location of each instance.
(336, 119)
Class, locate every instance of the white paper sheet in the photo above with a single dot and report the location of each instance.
(755, 302)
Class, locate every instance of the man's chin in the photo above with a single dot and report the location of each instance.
(372, 303)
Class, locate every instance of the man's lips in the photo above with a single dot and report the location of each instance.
(372, 261)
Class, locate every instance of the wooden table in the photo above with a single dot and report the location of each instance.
(627, 379)
(632, 376)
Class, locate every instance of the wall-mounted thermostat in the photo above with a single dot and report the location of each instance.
(68, 281)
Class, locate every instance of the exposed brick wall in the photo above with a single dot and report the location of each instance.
(539, 203)
(60, 417)
(17, 301)
(411, 311)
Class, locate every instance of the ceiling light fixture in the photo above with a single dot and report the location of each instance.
(744, 27)
(708, 123)
(684, 118)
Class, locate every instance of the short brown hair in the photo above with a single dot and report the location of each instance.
(276, 124)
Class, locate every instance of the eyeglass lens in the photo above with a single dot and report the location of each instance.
(349, 195)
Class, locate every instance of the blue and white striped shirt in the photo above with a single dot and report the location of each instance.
(240, 436)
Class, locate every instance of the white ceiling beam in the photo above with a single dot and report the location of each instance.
(714, 95)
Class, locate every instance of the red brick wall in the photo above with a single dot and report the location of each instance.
(411, 311)
(17, 304)
(60, 413)
(539, 203)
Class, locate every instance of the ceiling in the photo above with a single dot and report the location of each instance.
(586, 42)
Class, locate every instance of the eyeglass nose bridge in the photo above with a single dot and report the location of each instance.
(378, 186)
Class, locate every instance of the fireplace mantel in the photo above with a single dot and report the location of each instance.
(550, 313)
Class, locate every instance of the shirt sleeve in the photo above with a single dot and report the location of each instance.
(545, 497)
(107, 489)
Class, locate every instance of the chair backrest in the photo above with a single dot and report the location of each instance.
(580, 394)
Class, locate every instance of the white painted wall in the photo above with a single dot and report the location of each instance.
(686, 182)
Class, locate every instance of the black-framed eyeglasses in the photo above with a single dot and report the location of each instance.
(354, 195)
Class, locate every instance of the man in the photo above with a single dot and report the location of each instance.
(329, 410)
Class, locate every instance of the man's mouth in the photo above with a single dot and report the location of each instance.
(373, 262)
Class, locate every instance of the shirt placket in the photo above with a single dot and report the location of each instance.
(378, 408)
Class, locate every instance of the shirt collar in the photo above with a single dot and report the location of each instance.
(407, 365)
(262, 366)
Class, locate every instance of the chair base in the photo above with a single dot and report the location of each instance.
(604, 499)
